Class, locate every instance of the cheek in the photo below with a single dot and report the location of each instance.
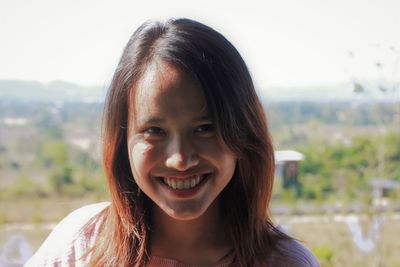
(142, 156)
(215, 149)
(219, 154)
(228, 163)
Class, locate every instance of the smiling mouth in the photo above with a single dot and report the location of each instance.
(184, 183)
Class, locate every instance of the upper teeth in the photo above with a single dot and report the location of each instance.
(185, 183)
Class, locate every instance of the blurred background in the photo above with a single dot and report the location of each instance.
(327, 73)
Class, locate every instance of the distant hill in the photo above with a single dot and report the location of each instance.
(367, 92)
(60, 91)
(310, 93)
(53, 91)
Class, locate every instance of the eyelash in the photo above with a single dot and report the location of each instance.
(208, 128)
(157, 131)
(154, 131)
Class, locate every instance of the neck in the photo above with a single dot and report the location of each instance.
(201, 240)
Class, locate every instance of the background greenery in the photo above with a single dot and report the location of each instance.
(50, 164)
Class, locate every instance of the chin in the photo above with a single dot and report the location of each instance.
(186, 212)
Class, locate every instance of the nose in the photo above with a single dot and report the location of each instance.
(182, 155)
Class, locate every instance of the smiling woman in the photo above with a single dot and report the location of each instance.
(189, 163)
(178, 160)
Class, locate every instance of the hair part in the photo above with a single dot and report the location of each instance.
(124, 238)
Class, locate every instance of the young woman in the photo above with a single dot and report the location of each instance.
(189, 162)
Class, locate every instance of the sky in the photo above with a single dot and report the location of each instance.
(285, 43)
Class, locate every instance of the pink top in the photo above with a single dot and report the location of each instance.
(66, 245)
(158, 261)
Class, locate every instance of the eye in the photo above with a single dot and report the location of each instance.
(154, 131)
(205, 129)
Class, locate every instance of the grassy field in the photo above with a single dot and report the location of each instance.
(332, 243)
(329, 239)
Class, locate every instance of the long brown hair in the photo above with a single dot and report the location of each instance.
(124, 237)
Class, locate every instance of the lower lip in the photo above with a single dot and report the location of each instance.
(186, 193)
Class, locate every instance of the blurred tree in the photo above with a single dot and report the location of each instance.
(53, 153)
(61, 178)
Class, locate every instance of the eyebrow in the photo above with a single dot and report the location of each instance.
(153, 120)
(206, 117)
(159, 119)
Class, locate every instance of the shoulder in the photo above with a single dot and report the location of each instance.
(299, 255)
(288, 252)
(291, 253)
(66, 240)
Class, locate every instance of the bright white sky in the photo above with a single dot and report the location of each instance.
(284, 42)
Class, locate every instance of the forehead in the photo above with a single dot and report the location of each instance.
(165, 90)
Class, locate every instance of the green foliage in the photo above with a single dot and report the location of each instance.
(14, 165)
(61, 179)
(324, 255)
(347, 168)
(345, 113)
(289, 196)
(89, 184)
(53, 153)
(392, 156)
(22, 187)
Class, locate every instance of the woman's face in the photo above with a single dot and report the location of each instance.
(176, 156)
